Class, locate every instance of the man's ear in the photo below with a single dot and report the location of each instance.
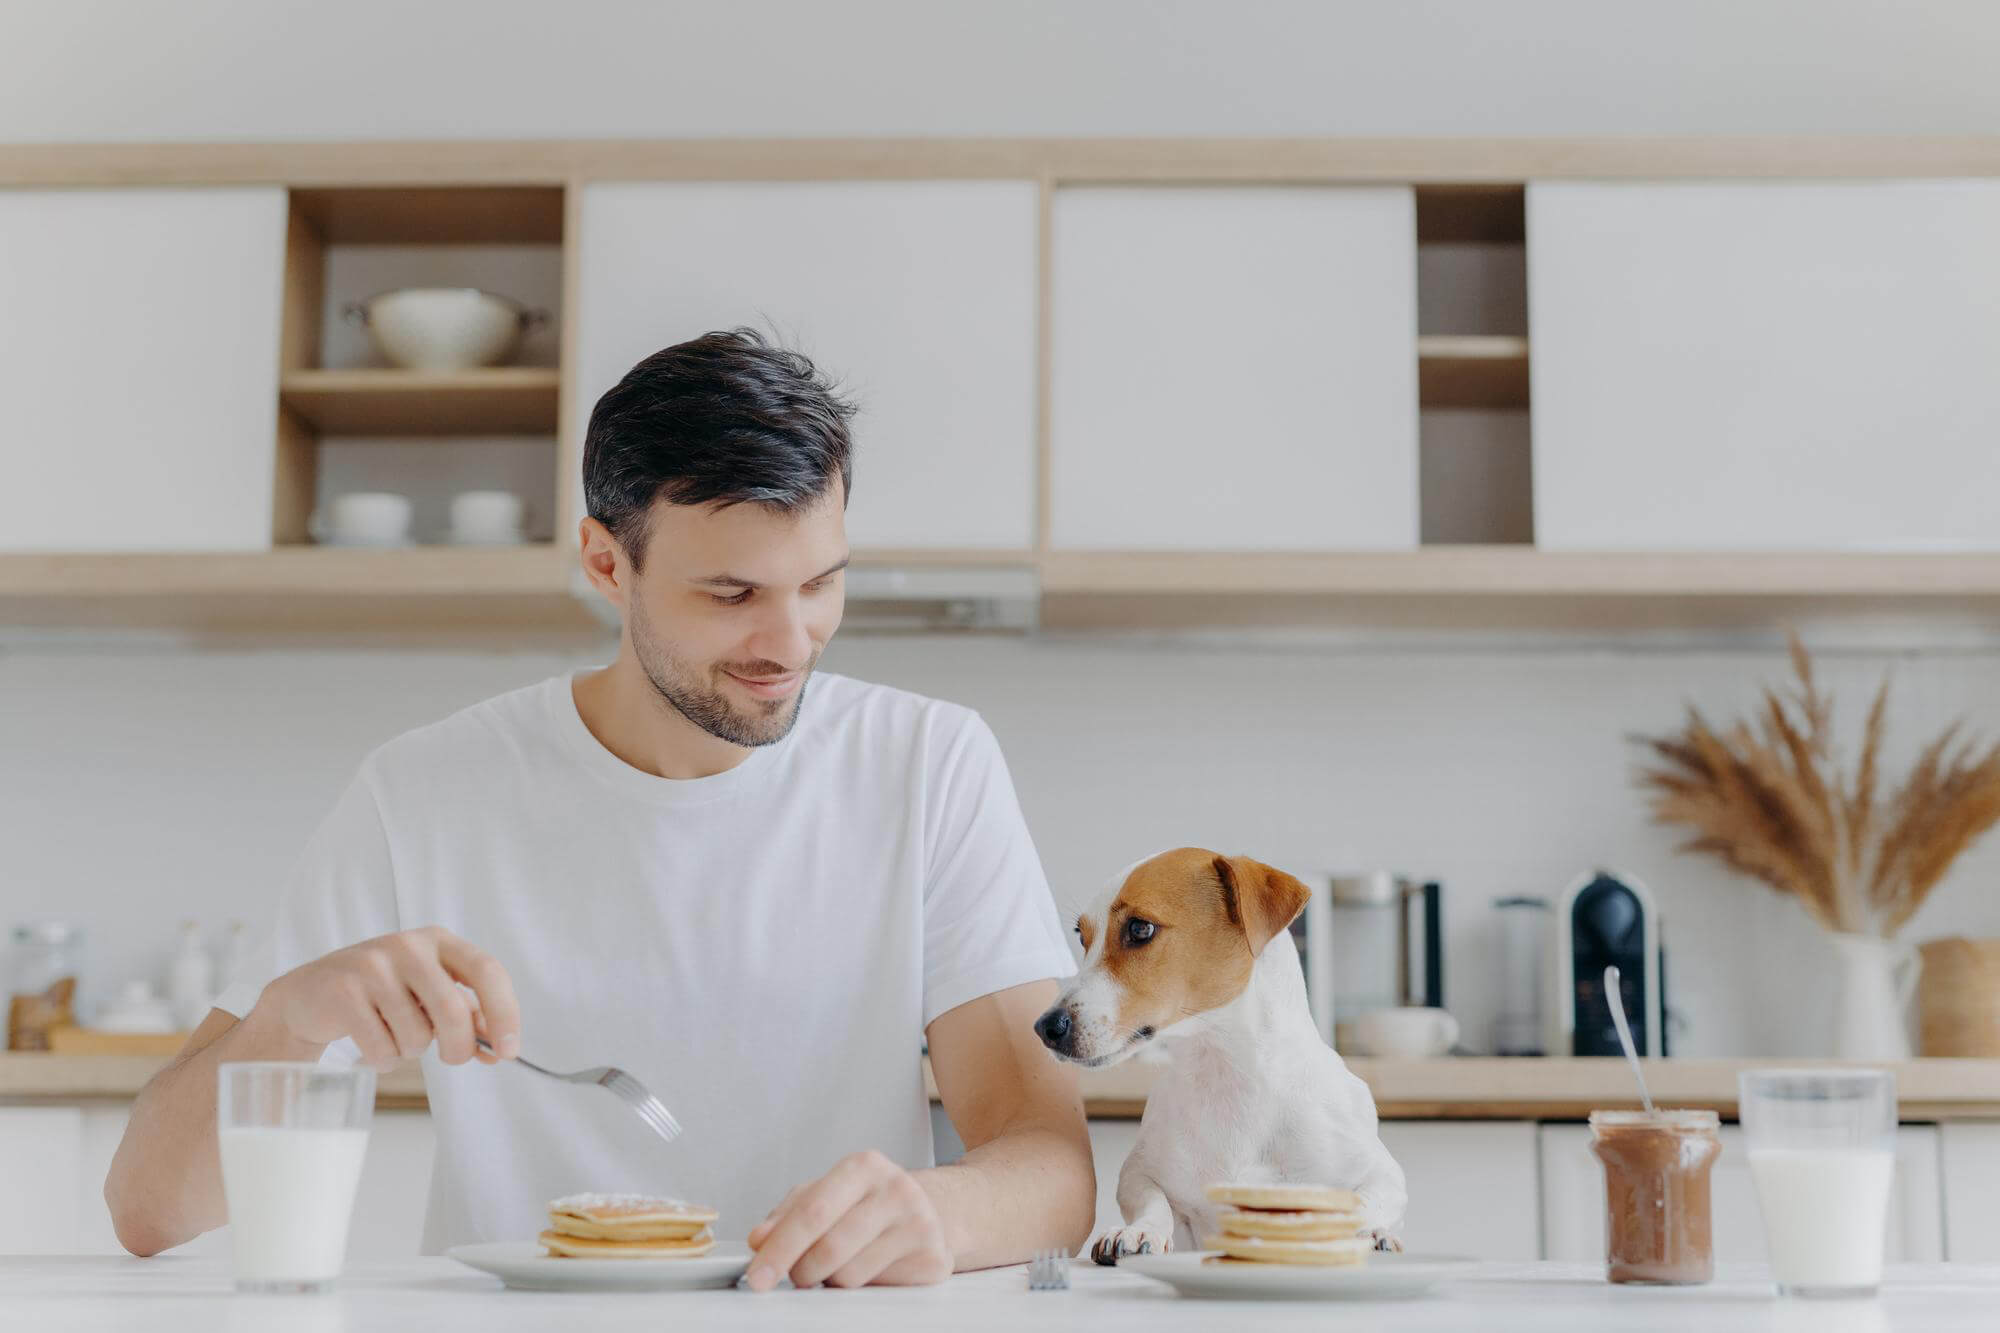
(1259, 898)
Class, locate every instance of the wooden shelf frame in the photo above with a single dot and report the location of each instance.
(496, 400)
(1472, 370)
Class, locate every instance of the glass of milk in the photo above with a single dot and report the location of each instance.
(1822, 1150)
(292, 1139)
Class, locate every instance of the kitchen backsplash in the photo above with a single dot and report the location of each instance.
(141, 787)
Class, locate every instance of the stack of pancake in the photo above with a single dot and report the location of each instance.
(1289, 1224)
(627, 1226)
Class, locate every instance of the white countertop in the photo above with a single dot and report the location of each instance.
(186, 1295)
(1456, 1087)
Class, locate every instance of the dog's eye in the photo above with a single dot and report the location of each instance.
(1138, 931)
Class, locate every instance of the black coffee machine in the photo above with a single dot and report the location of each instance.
(1608, 920)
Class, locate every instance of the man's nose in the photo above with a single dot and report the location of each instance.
(1054, 1028)
(783, 637)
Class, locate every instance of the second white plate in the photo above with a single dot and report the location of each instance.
(1384, 1277)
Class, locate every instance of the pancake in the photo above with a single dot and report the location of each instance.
(1287, 1198)
(583, 1247)
(1319, 1253)
(1255, 1224)
(627, 1226)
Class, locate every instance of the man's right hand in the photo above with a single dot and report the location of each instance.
(395, 993)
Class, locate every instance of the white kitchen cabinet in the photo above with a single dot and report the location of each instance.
(1234, 369)
(1111, 1142)
(40, 1151)
(138, 368)
(1969, 1155)
(1472, 1184)
(389, 1204)
(1573, 1198)
(1739, 365)
(919, 297)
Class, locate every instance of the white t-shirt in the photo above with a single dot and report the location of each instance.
(763, 948)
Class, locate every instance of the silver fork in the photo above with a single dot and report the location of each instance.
(629, 1090)
(1048, 1270)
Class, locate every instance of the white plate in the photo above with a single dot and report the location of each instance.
(525, 1266)
(1384, 1277)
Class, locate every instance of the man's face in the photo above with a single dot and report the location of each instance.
(732, 609)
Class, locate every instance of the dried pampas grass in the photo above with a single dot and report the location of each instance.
(1768, 799)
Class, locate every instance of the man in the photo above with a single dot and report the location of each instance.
(754, 888)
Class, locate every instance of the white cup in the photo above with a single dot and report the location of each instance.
(292, 1137)
(1411, 1032)
(1822, 1150)
(365, 518)
(486, 517)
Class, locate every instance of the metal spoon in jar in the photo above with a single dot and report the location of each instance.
(1616, 1000)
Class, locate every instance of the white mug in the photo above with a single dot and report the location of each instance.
(1411, 1032)
(365, 518)
(486, 516)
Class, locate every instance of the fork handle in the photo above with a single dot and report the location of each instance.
(487, 1046)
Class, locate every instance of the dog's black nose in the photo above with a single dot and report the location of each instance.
(1053, 1028)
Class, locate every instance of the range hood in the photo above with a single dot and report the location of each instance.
(1005, 598)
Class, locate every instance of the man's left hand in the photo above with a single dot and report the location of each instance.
(867, 1220)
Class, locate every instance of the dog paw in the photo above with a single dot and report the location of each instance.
(1387, 1241)
(1115, 1245)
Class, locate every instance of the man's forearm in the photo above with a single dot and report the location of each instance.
(1028, 1188)
(165, 1183)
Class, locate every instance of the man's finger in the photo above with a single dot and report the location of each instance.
(876, 1258)
(763, 1228)
(816, 1209)
(370, 1035)
(450, 1012)
(405, 1021)
(864, 1223)
(490, 982)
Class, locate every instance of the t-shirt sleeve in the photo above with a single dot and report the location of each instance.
(989, 922)
(341, 891)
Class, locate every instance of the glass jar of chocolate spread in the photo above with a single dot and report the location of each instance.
(1656, 1220)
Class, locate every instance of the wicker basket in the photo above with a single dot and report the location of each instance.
(1958, 997)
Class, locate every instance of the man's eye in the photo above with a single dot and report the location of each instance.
(737, 600)
(1138, 931)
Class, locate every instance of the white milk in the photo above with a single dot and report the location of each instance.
(1825, 1213)
(290, 1193)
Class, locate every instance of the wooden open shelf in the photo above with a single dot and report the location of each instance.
(1472, 370)
(499, 400)
(298, 588)
(1510, 587)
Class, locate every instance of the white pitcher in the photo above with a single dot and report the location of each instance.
(1871, 1006)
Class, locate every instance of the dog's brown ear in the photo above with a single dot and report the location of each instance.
(1259, 898)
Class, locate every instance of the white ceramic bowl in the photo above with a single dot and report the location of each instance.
(444, 328)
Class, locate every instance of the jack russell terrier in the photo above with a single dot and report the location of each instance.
(1192, 947)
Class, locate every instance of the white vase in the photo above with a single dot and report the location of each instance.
(1872, 998)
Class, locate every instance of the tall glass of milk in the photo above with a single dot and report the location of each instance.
(1822, 1150)
(292, 1139)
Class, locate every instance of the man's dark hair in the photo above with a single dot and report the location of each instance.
(727, 418)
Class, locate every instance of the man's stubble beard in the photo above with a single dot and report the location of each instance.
(703, 703)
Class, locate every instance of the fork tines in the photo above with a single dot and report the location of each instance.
(646, 1104)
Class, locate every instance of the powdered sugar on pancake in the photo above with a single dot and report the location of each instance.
(649, 1203)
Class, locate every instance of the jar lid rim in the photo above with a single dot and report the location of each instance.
(1663, 1119)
